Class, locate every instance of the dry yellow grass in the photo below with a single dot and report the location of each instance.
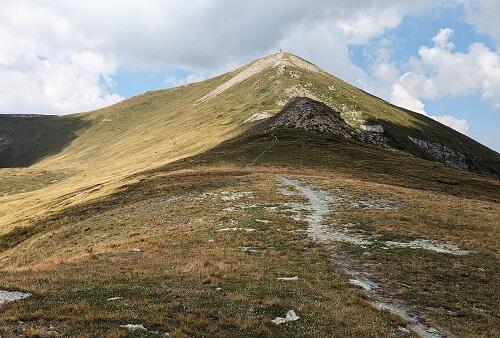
(127, 219)
(83, 257)
(160, 127)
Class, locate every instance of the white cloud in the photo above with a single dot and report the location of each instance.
(365, 25)
(483, 15)
(440, 71)
(48, 66)
(211, 33)
(320, 42)
(53, 85)
(47, 44)
(442, 39)
(386, 72)
(175, 81)
(456, 73)
(401, 97)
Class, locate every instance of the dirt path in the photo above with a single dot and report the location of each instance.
(273, 142)
(319, 204)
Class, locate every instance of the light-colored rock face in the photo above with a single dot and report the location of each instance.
(295, 91)
(279, 61)
(258, 116)
(288, 59)
(375, 128)
(442, 153)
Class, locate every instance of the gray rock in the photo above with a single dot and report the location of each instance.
(10, 296)
(311, 115)
(308, 114)
(375, 128)
(442, 153)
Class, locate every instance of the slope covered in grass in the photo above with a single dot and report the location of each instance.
(231, 224)
(200, 247)
(96, 151)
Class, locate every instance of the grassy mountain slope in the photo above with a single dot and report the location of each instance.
(171, 210)
(172, 253)
(99, 149)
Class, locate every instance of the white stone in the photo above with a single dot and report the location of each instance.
(288, 278)
(114, 298)
(10, 296)
(289, 317)
(134, 327)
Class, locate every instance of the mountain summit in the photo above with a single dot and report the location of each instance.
(278, 62)
(158, 127)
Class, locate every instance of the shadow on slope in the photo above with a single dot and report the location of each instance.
(26, 139)
(467, 154)
(296, 149)
(280, 151)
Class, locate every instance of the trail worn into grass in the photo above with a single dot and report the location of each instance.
(225, 251)
(319, 204)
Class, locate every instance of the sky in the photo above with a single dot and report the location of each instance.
(440, 58)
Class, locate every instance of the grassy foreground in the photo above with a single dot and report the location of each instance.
(196, 249)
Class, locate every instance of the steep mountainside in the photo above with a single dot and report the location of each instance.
(95, 151)
(292, 215)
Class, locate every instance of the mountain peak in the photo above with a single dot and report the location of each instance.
(280, 61)
(284, 59)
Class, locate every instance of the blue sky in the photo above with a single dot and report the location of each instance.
(417, 30)
(439, 58)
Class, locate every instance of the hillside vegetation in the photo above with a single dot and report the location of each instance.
(95, 151)
(204, 246)
(274, 200)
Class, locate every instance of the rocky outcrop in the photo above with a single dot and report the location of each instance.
(308, 114)
(311, 115)
(442, 153)
(453, 158)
